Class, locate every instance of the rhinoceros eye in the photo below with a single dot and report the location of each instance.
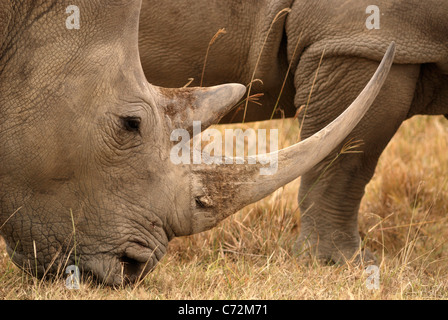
(131, 124)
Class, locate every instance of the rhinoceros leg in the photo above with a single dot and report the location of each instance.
(330, 195)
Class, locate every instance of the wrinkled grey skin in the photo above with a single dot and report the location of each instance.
(417, 84)
(79, 182)
(85, 175)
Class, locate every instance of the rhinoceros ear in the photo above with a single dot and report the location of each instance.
(207, 105)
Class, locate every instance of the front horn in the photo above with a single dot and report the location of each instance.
(219, 190)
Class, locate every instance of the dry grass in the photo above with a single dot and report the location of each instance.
(249, 256)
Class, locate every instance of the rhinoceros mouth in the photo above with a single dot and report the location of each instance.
(136, 262)
(128, 267)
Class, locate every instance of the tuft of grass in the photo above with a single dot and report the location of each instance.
(279, 15)
(212, 41)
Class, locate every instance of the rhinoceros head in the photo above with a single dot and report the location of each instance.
(85, 175)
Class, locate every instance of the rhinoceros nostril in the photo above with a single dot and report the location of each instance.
(203, 202)
(199, 203)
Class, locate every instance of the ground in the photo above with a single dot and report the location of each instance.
(403, 218)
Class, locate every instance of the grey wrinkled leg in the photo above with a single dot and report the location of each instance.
(330, 196)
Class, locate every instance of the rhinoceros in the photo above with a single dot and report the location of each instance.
(341, 42)
(86, 178)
